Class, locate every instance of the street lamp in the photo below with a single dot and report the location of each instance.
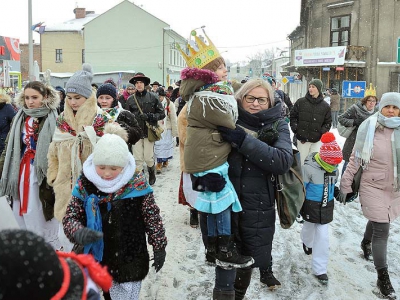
(30, 48)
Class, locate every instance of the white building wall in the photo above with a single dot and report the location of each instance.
(126, 37)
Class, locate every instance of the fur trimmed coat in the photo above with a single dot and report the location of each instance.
(60, 173)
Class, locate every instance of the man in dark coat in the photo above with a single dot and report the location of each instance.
(310, 118)
(151, 110)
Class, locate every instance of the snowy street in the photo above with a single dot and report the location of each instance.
(186, 275)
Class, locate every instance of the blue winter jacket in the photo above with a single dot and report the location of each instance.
(314, 209)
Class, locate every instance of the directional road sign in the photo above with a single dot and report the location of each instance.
(353, 89)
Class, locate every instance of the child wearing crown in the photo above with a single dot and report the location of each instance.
(210, 103)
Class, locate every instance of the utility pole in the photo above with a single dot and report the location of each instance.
(30, 37)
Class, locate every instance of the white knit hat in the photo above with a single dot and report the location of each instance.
(111, 150)
(391, 98)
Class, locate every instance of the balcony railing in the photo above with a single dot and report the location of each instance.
(356, 53)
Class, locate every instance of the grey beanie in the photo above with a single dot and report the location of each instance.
(391, 98)
(81, 82)
(318, 84)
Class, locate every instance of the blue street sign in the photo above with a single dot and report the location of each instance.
(291, 79)
(353, 89)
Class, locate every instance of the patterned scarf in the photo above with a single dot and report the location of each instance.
(363, 147)
(10, 177)
(137, 186)
(112, 113)
(220, 87)
(217, 96)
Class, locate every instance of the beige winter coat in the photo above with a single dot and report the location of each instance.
(59, 173)
(204, 147)
(379, 202)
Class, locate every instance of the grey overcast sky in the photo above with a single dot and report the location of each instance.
(242, 28)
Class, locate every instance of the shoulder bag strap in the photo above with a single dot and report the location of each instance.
(137, 103)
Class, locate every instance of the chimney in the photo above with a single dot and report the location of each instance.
(80, 13)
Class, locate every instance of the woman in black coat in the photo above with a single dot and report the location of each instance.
(261, 149)
(7, 113)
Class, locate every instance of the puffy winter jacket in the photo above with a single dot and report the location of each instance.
(251, 169)
(314, 210)
(310, 118)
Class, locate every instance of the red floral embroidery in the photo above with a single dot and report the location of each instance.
(98, 124)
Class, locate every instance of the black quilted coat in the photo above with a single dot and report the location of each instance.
(310, 118)
(251, 170)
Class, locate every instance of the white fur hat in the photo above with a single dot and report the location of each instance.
(111, 149)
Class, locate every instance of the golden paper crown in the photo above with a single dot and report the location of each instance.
(371, 91)
(205, 54)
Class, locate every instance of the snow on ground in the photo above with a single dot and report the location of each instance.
(186, 275)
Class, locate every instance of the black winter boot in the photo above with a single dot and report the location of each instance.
(211, 249)
(267, 277)
(152, 174)
(242, 282)
(366, 247)
(223, 295)
(194, 218)
(228, 256)
(384, 285)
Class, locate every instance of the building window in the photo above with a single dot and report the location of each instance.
(83, 55)
(340, 31)
(59, 56)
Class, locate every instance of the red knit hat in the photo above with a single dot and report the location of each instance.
(330, 151)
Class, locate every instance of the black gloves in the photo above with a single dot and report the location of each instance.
(159, 259)
(211, 182)
(344, 198)
(84, 236)
(143, 117)
(268, 136)
(148, 117)
(357, 122)
(152, 117)
(234, 136)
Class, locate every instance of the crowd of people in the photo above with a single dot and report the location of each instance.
(74, 162)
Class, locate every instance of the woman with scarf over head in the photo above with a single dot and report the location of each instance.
(107, 99)
(377, 151)
(24, 161)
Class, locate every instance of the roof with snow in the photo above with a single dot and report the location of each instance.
(72, 25)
